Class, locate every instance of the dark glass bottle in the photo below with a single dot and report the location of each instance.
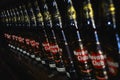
(111, 38)
(49, 32)
(54, 46)
(41, 35)
(91, 40)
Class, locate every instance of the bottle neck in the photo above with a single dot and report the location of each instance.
(56, 14)
(88, 10)
(109, 13)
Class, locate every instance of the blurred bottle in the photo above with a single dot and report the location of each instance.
(91, 40)
(54, 46)
(110, 38)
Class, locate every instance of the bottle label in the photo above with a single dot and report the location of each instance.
(47, 15)
(68, 74)
(33, 43)
(39, 17)
(18, 19)
(20, 39)
(26, 18)
(8, 36)
(37, 44)
(22, 18)
(18, 48)
(8, 44)
(46, 46)
(88, 10)
(24, 52)
(38, 59)
(28, 54)
(33, 56)
(43, 62)
(98, 60)
(71, 12)
(60, 69)
(56, 15)
(13, 47)
(27, 41)
(21, 50)
(81, 55)
(52, 65)
(13, 37)
(113, 66)
(14, 19)
(54, 48)
(33, 18)
(6, 20)
(112, 9)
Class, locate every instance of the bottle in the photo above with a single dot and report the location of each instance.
(31, 15)
(62, 42)
(91, 40)
(50, 34)
(111, 38)
(40, 33)
(55, 48)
